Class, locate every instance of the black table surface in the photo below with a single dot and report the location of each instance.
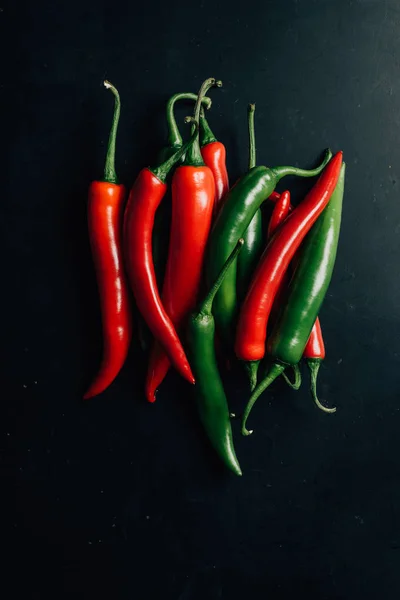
(118, 498)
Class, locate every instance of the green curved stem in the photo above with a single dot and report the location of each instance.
(206, 134)
(283, 171)
(206, 305)
(314, 365)
(274, 372)
(193, 156)
(252, 137)
(252, 369)
(295, 385)
(174, 138)
(161, 171)
(110, 174)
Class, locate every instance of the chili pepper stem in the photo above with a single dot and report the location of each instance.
(284, 171)
(110, 174)
(252, 138)
(295, 385)
(314, 365)
(252, 369)
(193, 156)
(174, 135)
(274, 372)
(206, 135)
(206, 306)
(161, 171)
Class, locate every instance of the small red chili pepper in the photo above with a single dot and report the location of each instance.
(252, 327)
(214, 156)
(315, 347)
(105, 210)
(314, 353)
(193, 193)
(280, 212)
(144, 199)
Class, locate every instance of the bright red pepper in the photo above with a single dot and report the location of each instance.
(144, 199)
(193, 192)
(252, 327)
(214, 156)
(105, 210)
(280, 212)
(315, 347)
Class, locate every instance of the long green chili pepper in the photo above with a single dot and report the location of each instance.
(238, 210)
(253, 238)
(307, 291)
(209, 390)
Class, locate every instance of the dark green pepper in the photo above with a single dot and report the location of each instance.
(306, 293)
(209, 390)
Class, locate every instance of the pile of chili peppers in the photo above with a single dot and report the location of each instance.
(226, 291)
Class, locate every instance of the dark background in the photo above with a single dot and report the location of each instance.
(117, 498)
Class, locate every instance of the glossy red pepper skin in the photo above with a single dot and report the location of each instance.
(315, 347)
(252, 326)
(144, 199)
(214, 156)
(213, 153)
(192, 209)
(280, 212)
(105, 211)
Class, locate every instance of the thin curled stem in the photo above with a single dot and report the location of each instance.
(295, 385)
(313, 365)
(274, 372)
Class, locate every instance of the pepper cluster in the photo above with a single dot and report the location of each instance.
(226, 291)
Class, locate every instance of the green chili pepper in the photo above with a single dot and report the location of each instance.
(306, 293)
(239, 208)
(253, 238)
(209, 390)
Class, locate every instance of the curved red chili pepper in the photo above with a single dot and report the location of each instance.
(256, 309)
(105, 210)
(144, 199)
(193, 192)
(214, 156)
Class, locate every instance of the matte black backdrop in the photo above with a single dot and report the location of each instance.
(122, 499)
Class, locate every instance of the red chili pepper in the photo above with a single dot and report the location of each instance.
(193, 193)
(105, 210)
(144, 199)
(314, 353)
(315, 347)
(256, 309)
(214, 156)
(280, 212)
